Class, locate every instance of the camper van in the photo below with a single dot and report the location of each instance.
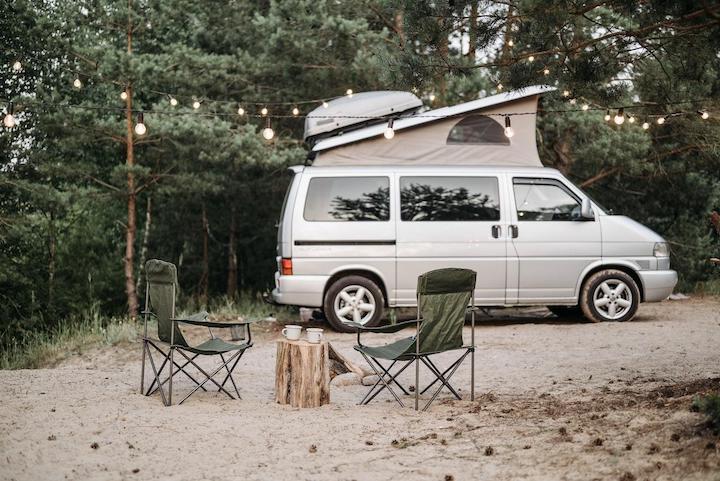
(451, 189)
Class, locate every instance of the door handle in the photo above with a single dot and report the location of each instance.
(496, 231)
(514, 231)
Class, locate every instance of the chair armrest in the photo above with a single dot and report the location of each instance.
(196, 322)
(390, 328)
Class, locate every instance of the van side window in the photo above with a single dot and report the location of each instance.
(544, 201)
(332, 199)
(449, 199)
(477, 129)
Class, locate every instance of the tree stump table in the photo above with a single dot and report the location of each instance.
(302, 374)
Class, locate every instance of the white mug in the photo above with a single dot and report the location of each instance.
(314, 335)
(292, 332)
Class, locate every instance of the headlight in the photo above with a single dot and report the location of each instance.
(661, 249)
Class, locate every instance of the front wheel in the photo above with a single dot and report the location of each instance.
(353, 299)
(610, 295)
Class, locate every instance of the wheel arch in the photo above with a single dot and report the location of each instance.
(363, 271)
(624, 266)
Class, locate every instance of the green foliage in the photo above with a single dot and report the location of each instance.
(710, 406)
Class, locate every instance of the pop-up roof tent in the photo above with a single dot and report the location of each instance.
(471, 133)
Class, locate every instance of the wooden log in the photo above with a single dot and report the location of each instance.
(302, 375)
(340, 364)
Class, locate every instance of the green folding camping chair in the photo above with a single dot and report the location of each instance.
(160, 291)
(443, 295)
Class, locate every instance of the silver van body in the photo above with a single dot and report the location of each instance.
(540, 239)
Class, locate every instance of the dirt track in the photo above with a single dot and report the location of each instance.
(556, 400)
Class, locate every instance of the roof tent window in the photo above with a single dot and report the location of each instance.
(478, 129)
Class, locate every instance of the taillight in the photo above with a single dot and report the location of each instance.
(286, 267)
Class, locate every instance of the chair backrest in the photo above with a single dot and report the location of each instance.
(443, 299)
(162, 285)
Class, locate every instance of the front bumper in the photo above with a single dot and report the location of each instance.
(658, 285)
(305, 291)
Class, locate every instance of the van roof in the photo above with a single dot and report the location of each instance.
(459, 169)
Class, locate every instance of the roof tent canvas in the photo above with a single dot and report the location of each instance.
(464, 134)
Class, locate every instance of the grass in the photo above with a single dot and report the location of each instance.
(48, 347)
(710, 406)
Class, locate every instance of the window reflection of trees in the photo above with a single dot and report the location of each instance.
(423, 202)
(371, 206)
(558, 212)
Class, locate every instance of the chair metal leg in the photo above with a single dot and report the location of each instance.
(209, 377)
(142, 369)
(229, 373)
(172, 363)
(382, 379)
(440, 376)
(157, 378)
(150, 390)
(446, 380)
(392, 378)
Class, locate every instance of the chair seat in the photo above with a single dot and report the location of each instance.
(216, 346)
(393, 351)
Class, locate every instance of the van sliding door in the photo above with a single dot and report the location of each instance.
(451, 221)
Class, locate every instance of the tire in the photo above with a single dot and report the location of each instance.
(566, 312)
(610, 295)
(340, 296)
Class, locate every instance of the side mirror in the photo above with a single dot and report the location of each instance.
(586, 211)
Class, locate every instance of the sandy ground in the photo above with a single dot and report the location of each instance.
(555, 400)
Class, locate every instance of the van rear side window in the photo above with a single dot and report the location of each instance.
(449, 199)
(331, 199)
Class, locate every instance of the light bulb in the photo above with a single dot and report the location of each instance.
(631, 119)
(325, 104)
(17, 66)
(264, 111)
(661, 120)
(123, 95)
(607, 116)
(349, 92)
(77, 83)
(9, 121)
(509, 132)
(140, 128)
(241, 111)
(566, 93)
(585, 106)
(500, 86)
(431, 98)
(389, 131)
(645, 125)
(173, 101)
(573, 101)
(268, 133)
(546, 71)
(295, 111)
(196, 105)
(510, 43)
(531, 58)
(704, 115)
(619, 118)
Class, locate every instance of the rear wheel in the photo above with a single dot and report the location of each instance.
(610, 295)
(353, 299)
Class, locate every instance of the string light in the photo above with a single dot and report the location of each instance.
(704, 114)
(264, 111)
(661, 120)
(268, 132)
(240, 110)
(509, 132)
(140, 128)
(389, 130)
(325, 104)
(123, 95)
(349, 92)
(585, 107)
(17, 66)
(531, 59)
(77, 83)
(607, 116)
(645, 125)
(500, 86)
(295, 111)
(173, 101)
(9, 119)
(573, 101)
(510, 43)
(631, 119)
(566, 93)
(431, 97)
(619, 117)
(546, 71)
(196, 104)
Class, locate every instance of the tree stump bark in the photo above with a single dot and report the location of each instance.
(302, 375)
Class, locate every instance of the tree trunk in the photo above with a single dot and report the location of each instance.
(472, 31)
(399, 23)
(131, 227)
(206, 259)
(52, 249)
(232, 258)
(444, 51)
(145, 241)
(302, 375)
